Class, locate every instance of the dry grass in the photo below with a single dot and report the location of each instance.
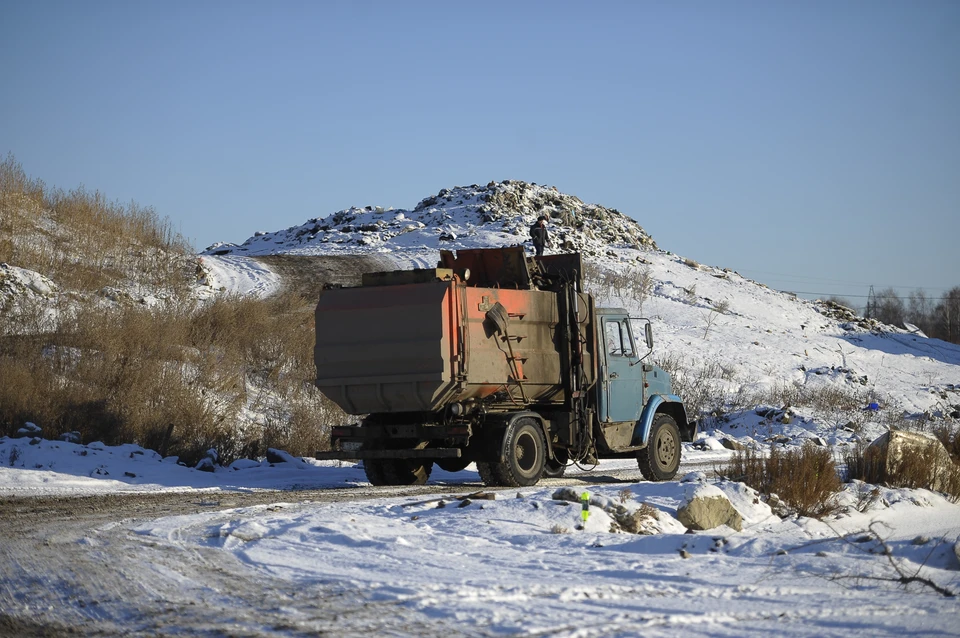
(950, 437)
(82, 240)
(805, 479)
(633, 284)
(915, 470)
(127, 374)
(235, 374)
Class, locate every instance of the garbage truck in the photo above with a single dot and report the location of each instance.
(495, 358)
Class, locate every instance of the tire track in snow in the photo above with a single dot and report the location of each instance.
(237, 275)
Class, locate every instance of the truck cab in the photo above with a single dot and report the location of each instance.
(630, 394)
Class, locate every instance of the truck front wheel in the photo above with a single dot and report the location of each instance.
(660, 460)
(397, 471)
(525, 454)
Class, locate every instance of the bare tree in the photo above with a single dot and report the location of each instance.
(947, 316)
(890, 308)
(920, 310)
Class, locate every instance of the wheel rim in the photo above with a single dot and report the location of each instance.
(526, 453)
(666, 449)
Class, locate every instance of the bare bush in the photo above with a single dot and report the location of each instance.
(950, 437)
(699, 386)
(128, 374)
(805, 479)
(871, 465)
(632, 284)
(180, 376)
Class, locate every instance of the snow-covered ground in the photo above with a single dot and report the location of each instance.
(519, 565)
(509, 562)
(237, 275)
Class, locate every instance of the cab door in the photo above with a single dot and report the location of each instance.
(621, 383)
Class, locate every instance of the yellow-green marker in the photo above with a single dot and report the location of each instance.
(585, 500)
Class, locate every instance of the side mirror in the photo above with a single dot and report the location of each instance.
(648, 333)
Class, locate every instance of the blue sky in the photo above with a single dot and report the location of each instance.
(814, 146)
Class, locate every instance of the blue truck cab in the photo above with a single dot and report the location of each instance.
(637, 410)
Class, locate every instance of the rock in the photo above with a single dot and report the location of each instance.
(956, 550)
(279, 456)
(643, 520)
(893, 446)
(206, 464)
(782, 439)
(778, 507)
(819, 440)
(730, 444)
(694, 477)
(71, 437)
(28, 429)
(684, 553)
(707, 507)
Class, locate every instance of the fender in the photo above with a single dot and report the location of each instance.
(641, 432)
(507, 422)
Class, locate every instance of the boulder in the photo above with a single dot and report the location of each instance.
(206, 464)
(707, 507)
(730, 444)
(29, 429)
(896, 446)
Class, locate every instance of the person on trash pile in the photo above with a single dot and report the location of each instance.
(539, 234)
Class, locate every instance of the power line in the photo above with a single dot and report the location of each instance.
(798, 278)
(834, 294)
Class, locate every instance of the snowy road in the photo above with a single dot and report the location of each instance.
(74, 565)
(389, 561)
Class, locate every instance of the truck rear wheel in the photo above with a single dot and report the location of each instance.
(660, 460)
(554, 468)
(397, 471)
(525, 455)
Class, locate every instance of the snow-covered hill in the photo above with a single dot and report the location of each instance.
(498, 214)
(732, 343)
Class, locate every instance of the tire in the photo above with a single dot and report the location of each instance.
(660, 460)
(397, 471)
(374, 471)
(524, 458)
(488, 475)
(453, 464)
(554, 468)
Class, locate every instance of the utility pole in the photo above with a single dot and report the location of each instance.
(871, 309)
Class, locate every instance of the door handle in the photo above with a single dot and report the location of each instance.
(614, 375)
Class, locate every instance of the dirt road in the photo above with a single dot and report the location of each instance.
(74, 565)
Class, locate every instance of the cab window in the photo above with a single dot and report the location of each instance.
(614, 345)
(619, 342)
